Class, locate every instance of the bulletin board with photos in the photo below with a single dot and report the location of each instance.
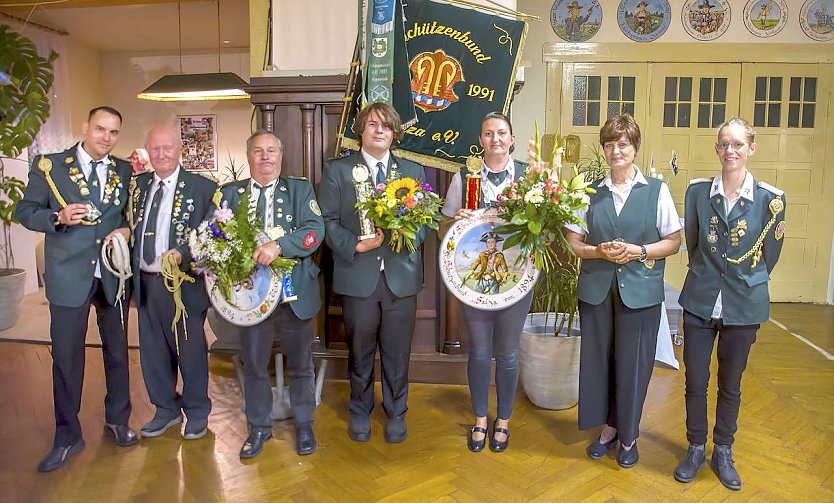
(199, 142)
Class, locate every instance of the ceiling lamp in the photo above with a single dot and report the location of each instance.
(196, 86)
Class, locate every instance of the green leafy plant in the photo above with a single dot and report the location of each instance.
(556, 292)
(25, 81)
(593, 165)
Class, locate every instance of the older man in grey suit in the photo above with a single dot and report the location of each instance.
(379, 286)
(167, 204)
(77, 198)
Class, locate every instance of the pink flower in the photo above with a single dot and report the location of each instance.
(224, 214)
(410, 203)
(501, 198)
(139, 160)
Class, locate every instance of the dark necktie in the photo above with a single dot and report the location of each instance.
(149, 238)
(380, 173)
(93, 183)
(498, 178)
(262, 199)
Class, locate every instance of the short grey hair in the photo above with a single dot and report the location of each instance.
(264, 132)
(749, 132)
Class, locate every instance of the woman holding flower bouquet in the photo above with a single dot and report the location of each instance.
(491, 333)
(632, 225)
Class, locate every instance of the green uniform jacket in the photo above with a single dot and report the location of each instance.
(71, 252)
(192, 204)
(297, 212)
(709, 241)
(356, 274)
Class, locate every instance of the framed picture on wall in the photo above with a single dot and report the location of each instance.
(199, 142)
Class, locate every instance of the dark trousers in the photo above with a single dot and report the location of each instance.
(68, 329)
(296, 337)
(615, 364)
(734, 344)
(494, 334)
(387, 321)
(158, 352)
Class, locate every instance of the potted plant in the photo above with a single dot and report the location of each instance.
(25, 80)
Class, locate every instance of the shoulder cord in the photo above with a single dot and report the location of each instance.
(45, 165)
(756, 250)
(115, 256)
(174, 278)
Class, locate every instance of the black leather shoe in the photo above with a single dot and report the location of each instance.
(395, 430)
(58, 456)
(159, 425)
(476, 445)
(359, 428)
(254, 443)
(688, 468)
(598, 450)
(628, 458)
(722, 464)
(305, 441)
(122, 434)
(495, 445)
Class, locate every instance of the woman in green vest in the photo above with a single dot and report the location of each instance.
(491, 333)
(632, 225)
(734, 230)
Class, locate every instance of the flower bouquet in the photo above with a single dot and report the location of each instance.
(538, 206)
(222, 247)
(403, 205)
(139, 160)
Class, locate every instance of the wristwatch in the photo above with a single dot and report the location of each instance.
(643, 253)
(54, 219)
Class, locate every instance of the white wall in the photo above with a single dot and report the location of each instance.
(127, 73)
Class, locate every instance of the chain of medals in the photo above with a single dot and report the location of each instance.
(45, 165)
(775, 206)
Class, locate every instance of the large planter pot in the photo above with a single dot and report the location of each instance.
(12, 287)
(549, 365)
(228, 335)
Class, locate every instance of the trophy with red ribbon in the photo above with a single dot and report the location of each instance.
(473, 183)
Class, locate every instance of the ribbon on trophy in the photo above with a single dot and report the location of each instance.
(271, 233)
(361, 183)
(473, 183)
(93, 213)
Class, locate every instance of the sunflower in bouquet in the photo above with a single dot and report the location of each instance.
(403, 206)
(222, 247)
(538, 206)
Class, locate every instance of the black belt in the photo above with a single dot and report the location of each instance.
(152, 274)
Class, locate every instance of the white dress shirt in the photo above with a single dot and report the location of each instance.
(85, 160)
(454, 195)
(163, 220)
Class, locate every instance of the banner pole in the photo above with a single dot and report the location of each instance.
(354, 70)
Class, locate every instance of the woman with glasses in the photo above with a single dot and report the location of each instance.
(632, 226)
(734, 230)
(491, 333)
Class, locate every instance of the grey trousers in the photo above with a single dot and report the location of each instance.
(615, 364)
(494, 334)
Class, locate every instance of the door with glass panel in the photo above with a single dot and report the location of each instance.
(687, 102)
(787, 105)
(593, 92)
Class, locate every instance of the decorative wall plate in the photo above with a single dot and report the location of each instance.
(765, 18)
(817, 19)
(644, 20)
(706, 19)
(252, 302)
(576, 20)
(478, 270)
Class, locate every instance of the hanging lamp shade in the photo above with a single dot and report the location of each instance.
(196, 87)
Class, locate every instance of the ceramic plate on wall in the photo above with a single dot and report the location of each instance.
(765, 18)
(706, 19)
(478, 270)
(576, 20)
(817, 19)
(644, 20)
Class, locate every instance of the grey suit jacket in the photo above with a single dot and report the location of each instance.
(295, 209)
(356, 274)
(71, 252)
(192, 203)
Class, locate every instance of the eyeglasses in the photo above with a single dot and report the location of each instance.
(724, 146)
(620, 145)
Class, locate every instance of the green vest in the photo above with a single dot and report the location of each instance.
(640, 283)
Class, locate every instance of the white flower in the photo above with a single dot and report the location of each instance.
(534, 196)
(275, 233)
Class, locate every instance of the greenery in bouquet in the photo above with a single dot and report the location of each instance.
(403, 206)
(222, 247)
(538, 206)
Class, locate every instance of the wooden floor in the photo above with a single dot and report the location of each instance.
(784, 448)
